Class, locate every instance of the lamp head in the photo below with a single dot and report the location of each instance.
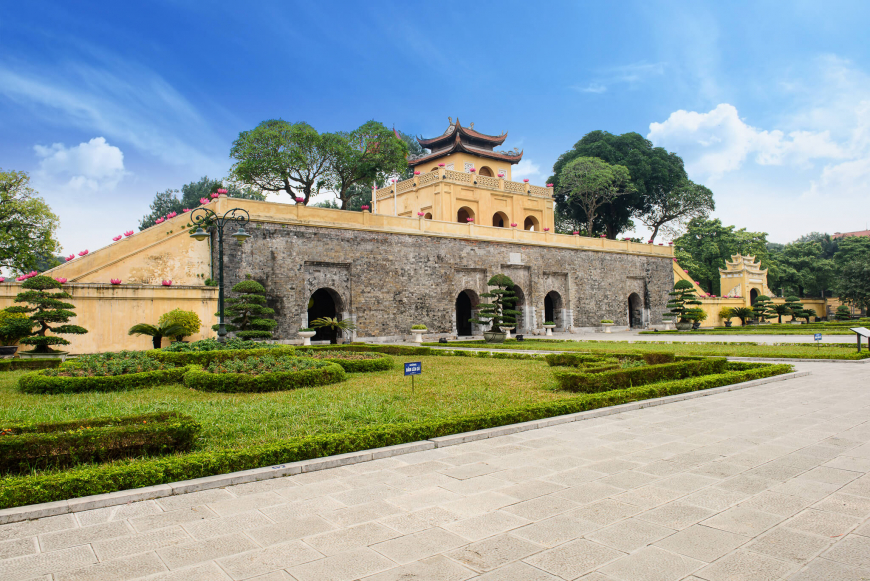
(199, 235)
(241, 235)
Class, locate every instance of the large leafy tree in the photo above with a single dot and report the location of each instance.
(652, 169)
(707, 244)
(804, 270)
(27, 224)
(190, 195)
(671, 210)
(587, 184)
(45, 309)
(853, 262)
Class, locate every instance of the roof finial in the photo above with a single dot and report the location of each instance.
(471, 126)
(450, 119)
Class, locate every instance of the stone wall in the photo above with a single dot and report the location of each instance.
(387, 282)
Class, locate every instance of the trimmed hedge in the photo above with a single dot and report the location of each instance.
(26, 446)
(84, 481)
(38, 383)
(205, 357)
(198, 378)
(578, 360)
(388, 349)
(379, 363)
(582, 382)
(20, 364)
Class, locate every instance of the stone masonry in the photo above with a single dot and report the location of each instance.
(387, 282)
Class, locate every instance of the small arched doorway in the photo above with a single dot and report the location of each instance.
(466, 301)
(553, 309)
(324, 302)
(635, 311)
(521, 307)
(463, 215)
(753, 296)
(531, 223)
(428, 216)
(485, 171)
(499, 220)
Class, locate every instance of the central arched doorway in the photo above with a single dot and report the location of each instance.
(753, 296)
(553, 309)
(463, 215)
(635, 311)
(500, 220)
(466, 301)
(324, 302)
(531, 223)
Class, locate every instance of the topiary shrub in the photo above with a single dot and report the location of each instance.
(351, 361)
(581, 382)
(13, 327)
(262, 374)
(187, 320)
(205, 351)
(842, 313)
(682, 299)
(762, 308)
(249, 316)
(500, 312)
(47, 307)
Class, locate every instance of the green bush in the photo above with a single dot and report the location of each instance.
(418, 327)
(579, 381)
(20, 364)
(585, 359)
(123, 475)
(321, 373)
(122, 363)
(388, 349)
(40, 382)
(13, 327)
(207, 357)
(249, 317)
(350, 361)
(188, 320)
(27, 446)
(215, 345)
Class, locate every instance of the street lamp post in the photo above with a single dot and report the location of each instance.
(204, 217)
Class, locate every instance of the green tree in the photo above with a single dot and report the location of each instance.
(190, 195)
(27, 224)
(188, 321)
(779, 310)
(742, 313)
(500, 312)
(250, 318)
(804, 270)
(588, 183)
(794, 305)
(671, 210)
(157, 332)
(683, 300)
(47, 308)
(762, 308)
(854, 283)
(707, 244)
(652, 169)
(842, 313)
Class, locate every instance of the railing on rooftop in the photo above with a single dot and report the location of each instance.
(465, 178)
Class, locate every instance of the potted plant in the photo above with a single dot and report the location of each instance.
(157, 332)
(606, 324)
(726, 314)
(13, 328)
(418, 331)
(499, 313)
(307, 333)
(682, 299)
(696, 315)
(549, 326)
(742, 313)
(339, 326)
(46, 307)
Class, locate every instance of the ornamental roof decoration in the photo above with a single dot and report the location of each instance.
(458, 138)
(740, 263)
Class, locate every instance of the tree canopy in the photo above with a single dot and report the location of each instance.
(671, 210)
(27, 224)
(588, 184)
(169, 200)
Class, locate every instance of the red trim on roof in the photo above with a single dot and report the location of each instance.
(460, 130)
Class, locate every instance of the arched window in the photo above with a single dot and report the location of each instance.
(500, 220)
(428, 216)
(531, 223)
(485, 171)
(434, 168)
(463, 215)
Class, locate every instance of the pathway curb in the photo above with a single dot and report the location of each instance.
(33, 511)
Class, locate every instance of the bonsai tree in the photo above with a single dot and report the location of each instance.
(762, 307)
(682, 299)
(332, 323)
(696, 315)
(742, 313)
(499, 313)
(726, 314)
(46, 308)
(187, 320)
(249, 316)
(842, 313)
(779, 311)
(794, 305)
(158, 332)
(13, 327)
(807, 314)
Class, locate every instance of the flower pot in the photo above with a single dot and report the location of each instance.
(696, 326)
(728, 323)
(8, 351)
(50, 355)
(306, 337)
(549, 329)
(507, 331)
(681, 326)
(418, 335)
(494, 336)
(606, 327)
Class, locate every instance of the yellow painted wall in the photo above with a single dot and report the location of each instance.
(108, 311)
(460, 158)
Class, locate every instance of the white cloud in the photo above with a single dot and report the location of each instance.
(94, 165)
(526, 168)
(630, 74)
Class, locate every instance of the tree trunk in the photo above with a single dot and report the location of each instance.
(156, 340)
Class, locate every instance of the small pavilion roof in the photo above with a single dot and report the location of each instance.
(468, 132)
(458, 138)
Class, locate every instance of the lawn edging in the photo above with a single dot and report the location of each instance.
(26, 512)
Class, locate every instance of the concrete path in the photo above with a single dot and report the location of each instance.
(771, 482)
(699, 338)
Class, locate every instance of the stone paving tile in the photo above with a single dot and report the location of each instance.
(188, 554)
(194, 499)
(541, 507)
(775, 503)
(172, 518)
(18, 548)
(354, 537)
(30, 528)
(648, 496)
(651, 564)
(426, 518)
(479, 504)
(23, 568)
(264, 561)
(531, 489)
(573, 559)
(676, 515)
(151, 541)
(347, 566)
(714, 498)
(127, 568)
(290, 530)
(362, 513)
(84, 535)
(629, 535)
(494, 552)
(308, 491)
(555, 531)
(857, 506)
(825, 570)
(605, 512)
(202, 572)
(854, 550)
(438, 568)
(246, 503)
(486, 525)
(790, 545)
(471, 486)
(821, 522)
(746, 566)
(419, 545)
(517, 572)
(702, 543)
(743, 521)
(587, 493)
(206, 529)
(121, 512)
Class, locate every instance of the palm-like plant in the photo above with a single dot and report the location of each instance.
(742, 313)
(779, 311)
(332, 323)
(158, 332)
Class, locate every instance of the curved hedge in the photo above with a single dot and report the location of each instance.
(198, 378)
(206, 357)
(378, 362)
(582, 382)
(37, 382)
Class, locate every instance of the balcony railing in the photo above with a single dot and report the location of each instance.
(463, 178)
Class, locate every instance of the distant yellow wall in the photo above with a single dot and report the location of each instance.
(108, 311)
(460, 158)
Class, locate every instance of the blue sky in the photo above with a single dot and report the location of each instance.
(106, 103)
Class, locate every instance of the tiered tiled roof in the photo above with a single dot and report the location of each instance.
(459, 138)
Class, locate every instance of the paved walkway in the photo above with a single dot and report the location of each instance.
(759, 484)
(699, 338)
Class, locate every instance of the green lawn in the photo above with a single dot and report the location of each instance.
(797, 351)
(449, 386)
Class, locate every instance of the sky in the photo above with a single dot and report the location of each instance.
(106, 103)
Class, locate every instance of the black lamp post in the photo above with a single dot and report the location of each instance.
(205, 217)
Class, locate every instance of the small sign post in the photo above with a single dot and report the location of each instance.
(818, 338)
(412, 369)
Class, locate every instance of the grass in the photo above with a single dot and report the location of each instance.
(781, 351)
(449, 386)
